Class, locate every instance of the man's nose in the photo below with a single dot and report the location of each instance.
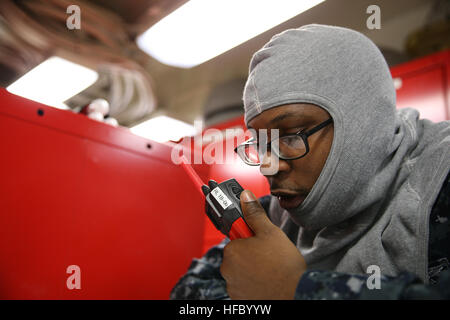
(271, 164)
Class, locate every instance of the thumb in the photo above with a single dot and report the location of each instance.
(254, 214)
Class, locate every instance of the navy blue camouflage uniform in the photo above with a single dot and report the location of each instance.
(204, 281)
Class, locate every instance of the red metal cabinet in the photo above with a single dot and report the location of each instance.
(424, 84)
(79, 192)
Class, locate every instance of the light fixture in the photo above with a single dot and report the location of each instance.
(53, 81)
(202, 29)
(163, 129)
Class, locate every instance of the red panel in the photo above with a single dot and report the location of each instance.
(423, 85)
(424, 91)
(79, 192)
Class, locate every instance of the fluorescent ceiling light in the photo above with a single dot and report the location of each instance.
(53, 81)
(163, 129)
(202, 29)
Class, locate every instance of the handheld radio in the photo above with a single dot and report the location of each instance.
(224, 209)
(222, 204)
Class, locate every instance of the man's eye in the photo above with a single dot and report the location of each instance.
(289, 139)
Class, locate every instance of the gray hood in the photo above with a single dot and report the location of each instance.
(371, 202)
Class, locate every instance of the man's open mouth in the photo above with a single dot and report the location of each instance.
(288, 200)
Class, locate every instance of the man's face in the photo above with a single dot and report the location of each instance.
(295, 178)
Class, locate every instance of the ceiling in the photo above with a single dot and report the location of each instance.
(183, 93)
(140, 14)
(187, 94)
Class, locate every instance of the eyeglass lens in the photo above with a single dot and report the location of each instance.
(287, 147)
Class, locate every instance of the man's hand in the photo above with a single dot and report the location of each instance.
(265, 266)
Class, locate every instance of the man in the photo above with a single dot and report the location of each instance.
(366, 190)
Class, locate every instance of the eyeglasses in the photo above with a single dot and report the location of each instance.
(289, 147)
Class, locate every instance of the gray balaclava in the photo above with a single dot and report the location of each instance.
(372, 200)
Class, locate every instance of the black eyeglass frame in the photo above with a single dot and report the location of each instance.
(304, 135)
